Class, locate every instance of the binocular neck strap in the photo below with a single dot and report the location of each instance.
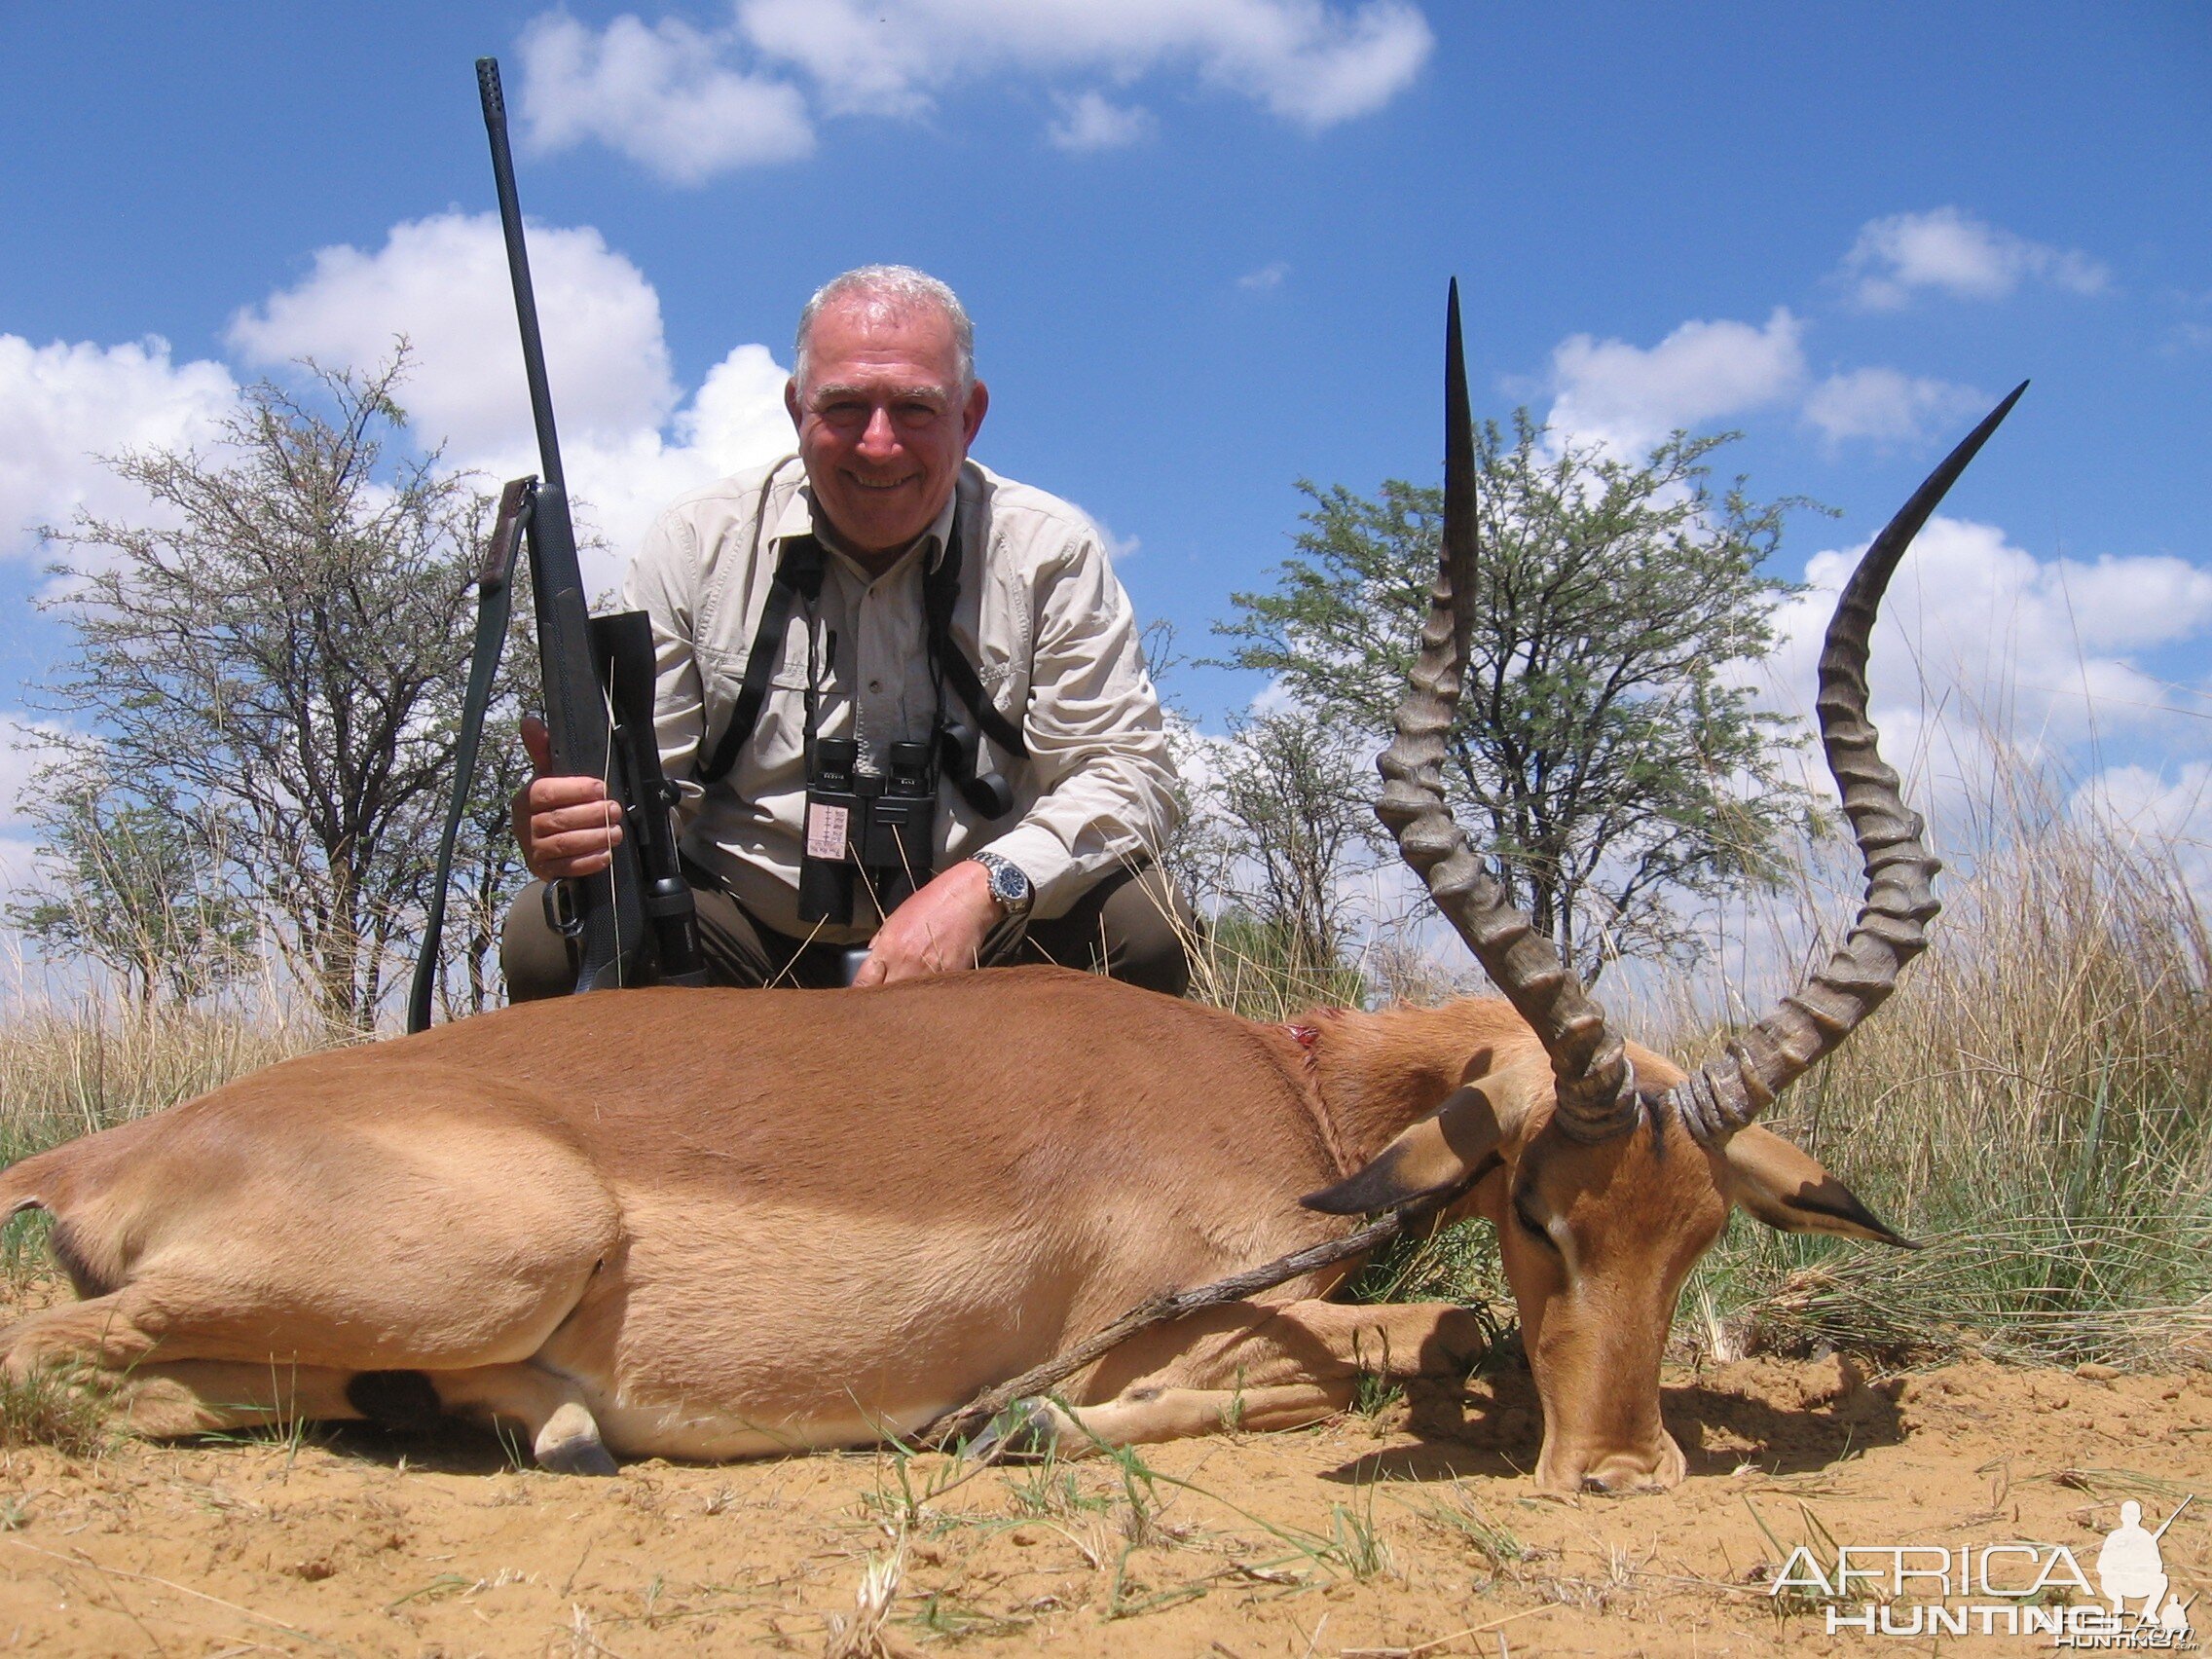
(940, 589)
(799, 576)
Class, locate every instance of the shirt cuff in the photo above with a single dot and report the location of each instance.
(1055, 875)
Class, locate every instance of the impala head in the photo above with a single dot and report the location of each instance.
(1606, 1170)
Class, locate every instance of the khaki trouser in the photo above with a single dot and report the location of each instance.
(1132, 925)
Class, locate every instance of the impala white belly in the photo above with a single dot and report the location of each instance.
(709, 1434)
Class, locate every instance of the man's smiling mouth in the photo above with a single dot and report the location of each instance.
(882, 484)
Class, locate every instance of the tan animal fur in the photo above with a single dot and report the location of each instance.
(713, 1224)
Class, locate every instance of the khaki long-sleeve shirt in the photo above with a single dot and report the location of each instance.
(1040, 615)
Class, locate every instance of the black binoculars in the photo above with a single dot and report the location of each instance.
(862, 825)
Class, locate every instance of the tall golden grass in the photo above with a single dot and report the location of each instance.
(2035, 1105)
(67, 1071)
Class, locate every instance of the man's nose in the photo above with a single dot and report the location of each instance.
(879, 438)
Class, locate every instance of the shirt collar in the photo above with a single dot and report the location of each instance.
(798, 518)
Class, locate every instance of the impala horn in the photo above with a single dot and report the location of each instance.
(1595, 1087)
(1892, 927)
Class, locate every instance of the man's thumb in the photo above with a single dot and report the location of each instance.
(537, 743)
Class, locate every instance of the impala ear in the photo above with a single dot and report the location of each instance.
(1440, 1149)
(1790, 1191)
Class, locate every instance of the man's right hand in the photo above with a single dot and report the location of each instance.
(565, 826)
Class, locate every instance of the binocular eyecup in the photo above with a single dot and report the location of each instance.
(989, 794)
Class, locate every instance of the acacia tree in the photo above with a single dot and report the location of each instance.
(1293, 808)
(132, 880)
(1611, 762)
(281, 644)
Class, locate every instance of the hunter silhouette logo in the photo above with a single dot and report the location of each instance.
(2007, 1589)
(2130, 1566)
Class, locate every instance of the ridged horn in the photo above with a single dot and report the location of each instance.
(1595, 1088)
(1892, 926)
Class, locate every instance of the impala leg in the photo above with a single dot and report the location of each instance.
(1258, 1345)
(550, 1408)
(211, 1396)
(208, 1396)
(105, 1333)
(1145, 1417)
(1249, 1364)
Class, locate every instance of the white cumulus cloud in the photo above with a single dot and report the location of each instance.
(1884, 406)
(64, 405)
(657, 94)
(1308, 61)
(2167, 811)
(1629, 396)
(2007, 687)
(2007, 648)
(689, 103)
(629, 440)
(1957, 254)
(442, 283)
(1091, 121)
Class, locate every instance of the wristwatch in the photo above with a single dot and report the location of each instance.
(1009, 883)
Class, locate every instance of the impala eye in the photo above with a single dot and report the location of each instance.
(1530, 1224)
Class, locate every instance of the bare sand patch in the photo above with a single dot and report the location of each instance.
(1349, 1539)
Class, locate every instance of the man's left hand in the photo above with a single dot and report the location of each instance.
(939, 930)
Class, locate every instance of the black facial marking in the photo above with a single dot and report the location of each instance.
(1859, 1215)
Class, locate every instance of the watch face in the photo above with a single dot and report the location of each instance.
(1010, 885)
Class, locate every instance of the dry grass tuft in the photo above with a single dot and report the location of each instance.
(49, 1408)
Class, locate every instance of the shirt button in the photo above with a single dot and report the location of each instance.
(875, 685)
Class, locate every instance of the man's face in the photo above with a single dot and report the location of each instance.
(882, 425)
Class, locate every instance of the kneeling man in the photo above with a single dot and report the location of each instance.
(902, 696)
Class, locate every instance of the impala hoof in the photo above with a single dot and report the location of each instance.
(570, 1445)
(1025, 1429)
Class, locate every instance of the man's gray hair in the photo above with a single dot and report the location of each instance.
(889, 290)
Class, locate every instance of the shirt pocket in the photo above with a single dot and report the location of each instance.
(773, 762)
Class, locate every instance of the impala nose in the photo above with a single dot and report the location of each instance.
(1644, 1468)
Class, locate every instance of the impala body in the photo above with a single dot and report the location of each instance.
(713, 1224)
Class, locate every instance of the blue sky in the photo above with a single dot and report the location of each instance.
(1205, 244)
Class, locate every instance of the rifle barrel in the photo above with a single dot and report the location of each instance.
(2171, 1518)
(518, 268)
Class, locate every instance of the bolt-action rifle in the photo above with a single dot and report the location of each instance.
(634, 923)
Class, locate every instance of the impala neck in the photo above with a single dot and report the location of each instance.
(1378, 1072)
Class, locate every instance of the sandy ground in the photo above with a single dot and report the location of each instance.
(1354, 1538)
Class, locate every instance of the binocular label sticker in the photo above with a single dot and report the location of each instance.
(825, 831)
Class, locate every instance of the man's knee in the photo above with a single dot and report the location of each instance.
(1134, 925)
(1148, 927)
(534, 956)
(539, 961)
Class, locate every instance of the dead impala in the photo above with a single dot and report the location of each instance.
(712, 1224)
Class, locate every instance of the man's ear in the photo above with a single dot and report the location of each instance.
(1790, 1191)
(791, 402)
(971, 416)
(1444, 1147)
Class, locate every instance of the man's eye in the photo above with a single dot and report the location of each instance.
(917, 414)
